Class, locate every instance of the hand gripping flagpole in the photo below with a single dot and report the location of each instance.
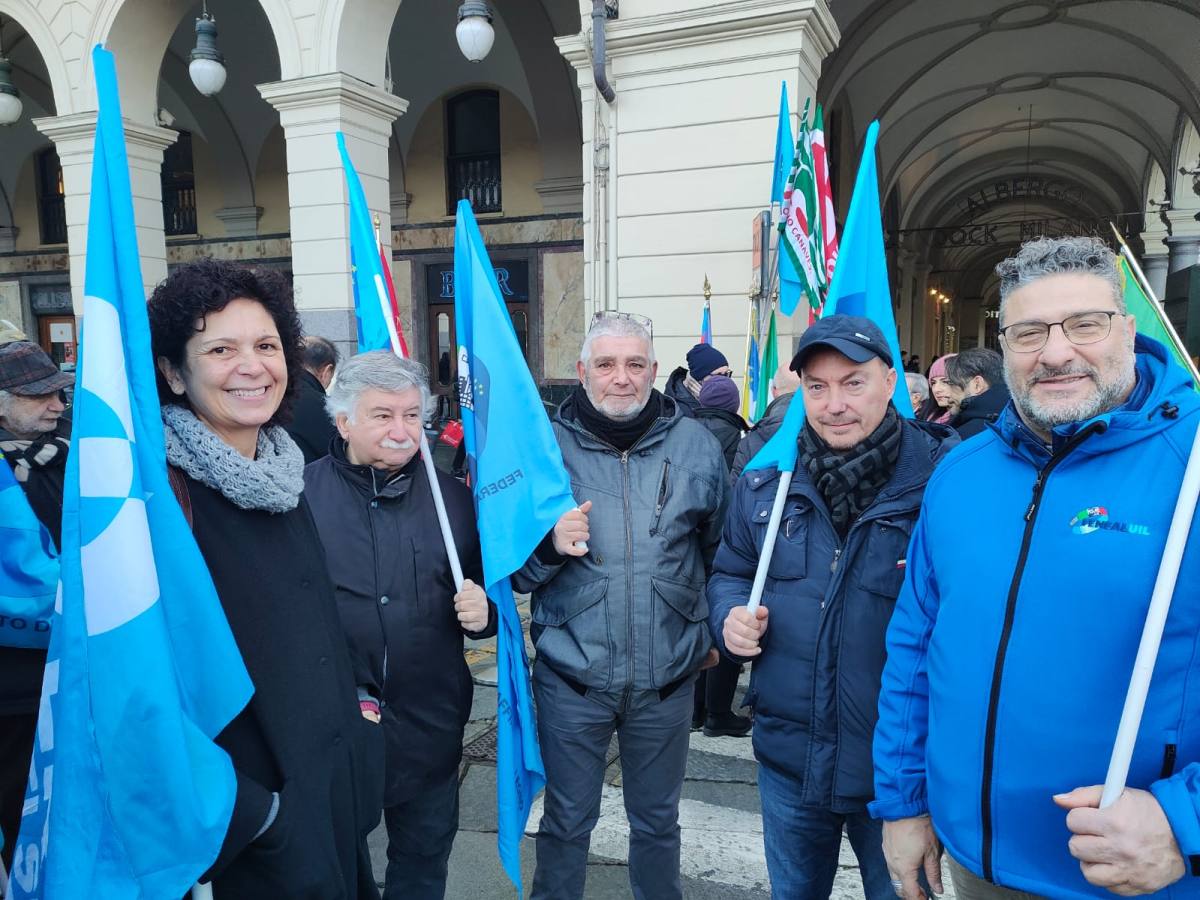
(1156, 619)
(768, 548)
(426, 455)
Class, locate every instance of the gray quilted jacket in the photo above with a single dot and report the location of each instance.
(626, 623)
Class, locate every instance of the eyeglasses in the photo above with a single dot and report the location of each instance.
(644, 321)
(1081, 328)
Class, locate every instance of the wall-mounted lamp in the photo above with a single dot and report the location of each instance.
(10, 100)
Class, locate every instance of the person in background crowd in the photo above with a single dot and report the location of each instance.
(618, 624)
(718, 412)
(914, 364)
(35, 441)
(978, 392)
(309, 766)
(1009, 654)
(683, 385)
(918, 390)
(712, 707)
(783, 388)
(816, 642)
(936, 407)
(405, 619)
(311, 427)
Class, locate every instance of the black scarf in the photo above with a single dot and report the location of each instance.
(621, 433)
(850, 480)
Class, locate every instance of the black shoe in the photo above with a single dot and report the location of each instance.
(697, 722)
(728, 725)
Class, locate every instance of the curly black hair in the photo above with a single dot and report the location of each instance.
(179, 305)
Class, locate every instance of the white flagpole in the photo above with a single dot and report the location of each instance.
(202, 891)
(1156, 619)
(439, 504)
(768, 549)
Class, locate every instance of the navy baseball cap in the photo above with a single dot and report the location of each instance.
(854, 337)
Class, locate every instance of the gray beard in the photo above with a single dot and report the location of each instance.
(1107, 396)
(626, 416)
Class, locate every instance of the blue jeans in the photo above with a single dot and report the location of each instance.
(802, 843)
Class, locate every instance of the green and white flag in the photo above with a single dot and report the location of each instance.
(800, 228)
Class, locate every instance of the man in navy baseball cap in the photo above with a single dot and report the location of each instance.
(838, 565)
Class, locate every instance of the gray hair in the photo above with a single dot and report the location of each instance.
(615, 326)
(917, 384)
(1055, 256)
(378, 369)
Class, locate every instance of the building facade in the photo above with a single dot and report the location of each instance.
(1000, 120)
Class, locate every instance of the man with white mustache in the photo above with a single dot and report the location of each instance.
(618, 610)
(1028, 580)
(403, 619)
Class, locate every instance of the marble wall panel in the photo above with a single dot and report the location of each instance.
(562, 311)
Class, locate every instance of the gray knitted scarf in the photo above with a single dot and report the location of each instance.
(271, 482)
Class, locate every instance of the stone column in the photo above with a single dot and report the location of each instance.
(1155, 268)
(1156, 255)
(923, 315)
(74, 138)
(312, 111)
(1184, 242)
(906, 261)
(674, 170)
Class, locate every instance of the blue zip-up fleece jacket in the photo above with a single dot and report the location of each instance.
(815, 686)
(1012, 644)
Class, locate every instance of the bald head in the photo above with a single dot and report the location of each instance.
(785, 381)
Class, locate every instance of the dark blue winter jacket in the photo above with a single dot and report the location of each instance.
(815, 686)
(1012, 644)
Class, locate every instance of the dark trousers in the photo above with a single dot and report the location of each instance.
(715, 689)
(16, 748)
(421, 834)
(575, 732)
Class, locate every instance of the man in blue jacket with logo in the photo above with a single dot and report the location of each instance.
(817, 640)
(1013, 640)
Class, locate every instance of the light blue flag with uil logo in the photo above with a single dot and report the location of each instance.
(128, 795)
(521, 490)
(28, 569)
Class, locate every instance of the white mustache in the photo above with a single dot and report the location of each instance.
(389, 444)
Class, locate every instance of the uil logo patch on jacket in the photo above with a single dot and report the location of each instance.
(1095, 518)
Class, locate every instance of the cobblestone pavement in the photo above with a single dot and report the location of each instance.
(722, 856)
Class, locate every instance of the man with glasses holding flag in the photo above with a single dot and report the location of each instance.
(619, 610)
(1009, 652)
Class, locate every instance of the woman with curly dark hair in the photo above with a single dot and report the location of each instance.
(227, 342)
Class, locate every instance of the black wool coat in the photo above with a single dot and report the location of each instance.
(395, 594)
(302, 734)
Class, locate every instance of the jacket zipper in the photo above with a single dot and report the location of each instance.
(989, 741)
(662, 496)
(628, 571)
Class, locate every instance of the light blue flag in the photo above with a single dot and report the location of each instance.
(128, 795)
(785, 147)
(860, 288)
(28, 569)
(370, 289)
(860, 279)
(790, 288)
(521, 490)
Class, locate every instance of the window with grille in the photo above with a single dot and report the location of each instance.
(179, 187)
(473, 151)
(51, 197)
